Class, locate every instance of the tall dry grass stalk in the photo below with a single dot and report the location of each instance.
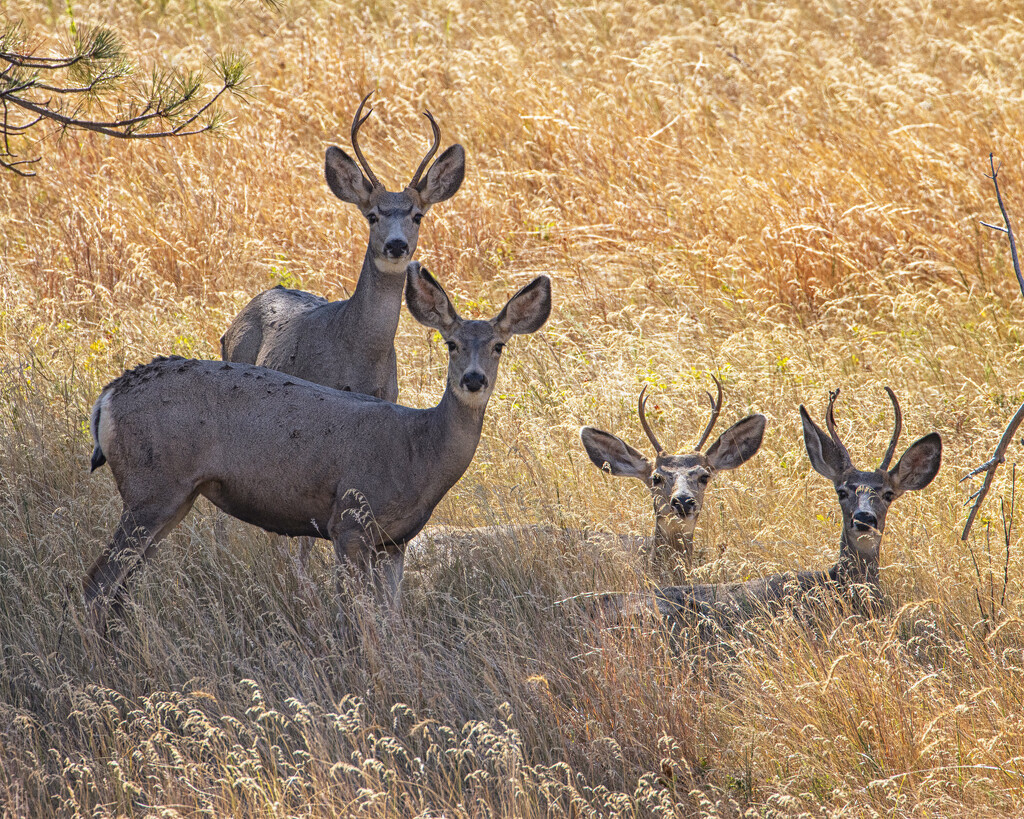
(786, 194)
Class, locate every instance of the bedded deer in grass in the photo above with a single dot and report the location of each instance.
(294, 457)
(677, 483)
(864, 499)
(350, 345)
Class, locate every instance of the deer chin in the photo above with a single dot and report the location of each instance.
(678, 526)
(866, 542)
(477, 399)
(387, 264)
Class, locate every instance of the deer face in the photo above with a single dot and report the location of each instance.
(677, 483)
(394, 218)
(865, 497)
(474, 347)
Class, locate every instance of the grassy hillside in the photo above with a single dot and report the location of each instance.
(786, 194)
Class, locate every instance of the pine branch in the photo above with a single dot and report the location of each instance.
(92, 76)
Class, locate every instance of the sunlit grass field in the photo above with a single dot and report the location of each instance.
(785, 194)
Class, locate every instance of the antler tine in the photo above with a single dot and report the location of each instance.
(357, 123)
(897, 429)
(430, 153)
(716, 408)
(640, 405)
(830, 422)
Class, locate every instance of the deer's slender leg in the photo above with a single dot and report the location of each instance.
(354, 562)
(137, 533)
(387, 570)
(300, 565)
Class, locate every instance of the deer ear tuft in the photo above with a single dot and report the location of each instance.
(527, 310)
(427, 301)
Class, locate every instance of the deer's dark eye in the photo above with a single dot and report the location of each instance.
(418, 218)
(888, 495)
(452, 346)
(373, 218)
(657, 480)
(842, 494)
(499, 347)
(704, 479)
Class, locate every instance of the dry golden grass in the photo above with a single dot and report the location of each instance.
(785, 193)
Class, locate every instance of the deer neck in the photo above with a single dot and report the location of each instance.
(674, 536)
(373, 311)
(853, 567)
(455, 429)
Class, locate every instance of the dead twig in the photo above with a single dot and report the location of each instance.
(992, 464)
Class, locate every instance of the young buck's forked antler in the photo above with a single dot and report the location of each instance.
(677, 483)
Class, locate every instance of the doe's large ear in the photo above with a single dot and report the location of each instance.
(444, 177)
(427, 301)
(610, 452)
(345, 179)
(737, 444)
(919, 464)
(527, 310)
(825, 456)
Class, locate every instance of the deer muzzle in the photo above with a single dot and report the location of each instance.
(865, 522)
(396, 248)
(684, 506)
(473, 381)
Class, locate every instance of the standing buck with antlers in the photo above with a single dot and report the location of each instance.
(293, 457)
(350, 345)
(677, 483)
(864, 498)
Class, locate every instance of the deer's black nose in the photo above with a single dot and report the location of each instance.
(684, 505)
(474, 381)
(864, 521)
(396, 248)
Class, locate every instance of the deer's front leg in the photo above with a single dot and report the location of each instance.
(368, 565)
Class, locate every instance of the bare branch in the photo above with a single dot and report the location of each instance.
(992, 464)
(990, 467)
(1006, 220)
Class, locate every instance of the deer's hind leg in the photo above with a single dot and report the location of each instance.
(138, 531)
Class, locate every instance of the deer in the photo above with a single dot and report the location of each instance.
(676, 483)
(864, 498)
(350, 345)
(294, 457)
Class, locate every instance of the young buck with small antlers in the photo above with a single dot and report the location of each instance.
(350, 345)
(864, 498)
(294, 457)
(677, 483)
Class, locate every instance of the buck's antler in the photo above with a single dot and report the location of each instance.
(716, 408)
(357, 123)
(640, 405)
(430, 153)
(830, 423)
(895, 433)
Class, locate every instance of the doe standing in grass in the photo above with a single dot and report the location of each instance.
(294, 457)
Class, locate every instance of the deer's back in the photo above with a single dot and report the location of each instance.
(271, 315)
(305, 335)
